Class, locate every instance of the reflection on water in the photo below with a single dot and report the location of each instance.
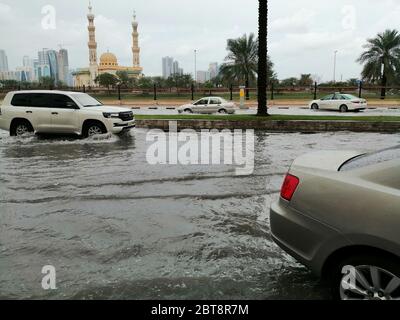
(116, 227)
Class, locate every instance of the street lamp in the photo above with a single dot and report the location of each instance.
(195, 66)
(334, 66)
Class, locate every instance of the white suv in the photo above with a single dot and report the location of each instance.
(61, 112)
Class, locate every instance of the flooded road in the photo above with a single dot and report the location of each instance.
(115, 227)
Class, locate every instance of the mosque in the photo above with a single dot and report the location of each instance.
(108, 61)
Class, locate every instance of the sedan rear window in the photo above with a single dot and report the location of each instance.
(370, 159)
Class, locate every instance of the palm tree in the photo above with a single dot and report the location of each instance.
(382, 59)
(241, 61)
(262, 57)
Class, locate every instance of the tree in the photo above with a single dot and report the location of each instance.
(241, 63)
(289, 82)
(242, 59)
(179, 80)
(123, 79)
(160, 82)
(47, 82)
(106, 80)
(145, 83)
(306, 80)
(381, 59)
(262, 57)
(9, 84)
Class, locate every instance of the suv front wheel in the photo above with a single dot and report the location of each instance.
(93, 128)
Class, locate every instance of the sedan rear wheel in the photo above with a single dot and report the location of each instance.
(343, 108)
(367, 278)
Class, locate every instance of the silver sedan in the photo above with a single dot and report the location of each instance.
(209, 105)
(339, 214)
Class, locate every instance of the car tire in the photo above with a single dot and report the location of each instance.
(93, 128)
(314, 106)
(20, 127)
(386, 267)
(222, 111)
(343, 108)
(188, 111)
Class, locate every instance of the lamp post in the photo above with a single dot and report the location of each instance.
(195, 66)
(334, 66)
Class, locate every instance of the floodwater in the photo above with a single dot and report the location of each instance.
(115, 227)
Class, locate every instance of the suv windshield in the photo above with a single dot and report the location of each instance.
(86, 101)
(372, 158)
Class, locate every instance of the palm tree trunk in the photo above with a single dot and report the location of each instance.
(262, 57)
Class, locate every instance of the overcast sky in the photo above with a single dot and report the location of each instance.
(303, 33)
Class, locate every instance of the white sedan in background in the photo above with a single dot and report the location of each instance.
(339, 101)
(209, 105)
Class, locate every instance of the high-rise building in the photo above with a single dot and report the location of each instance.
(53, 62)
(63, 66)
(170, 67)
(43, 66)
(213, 70)
(3, 61)
(175, 67)
(43, 57)
(203, 76)
(27, 62)
(167, 67)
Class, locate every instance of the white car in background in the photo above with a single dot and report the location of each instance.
(339, 101)
(209, 105)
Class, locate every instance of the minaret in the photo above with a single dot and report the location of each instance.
(135, 42)
(92, 46)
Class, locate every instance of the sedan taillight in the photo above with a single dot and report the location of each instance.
(289, 187)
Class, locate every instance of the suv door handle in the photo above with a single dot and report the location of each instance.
(55, 113)
(29, 112)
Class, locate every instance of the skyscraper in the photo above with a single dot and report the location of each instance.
(202, 76)
(167, 67)
(63, 66)
(53, 62)
(170, 67)
(3, 61)
(43, 57)
(213, 70)
(27, 62)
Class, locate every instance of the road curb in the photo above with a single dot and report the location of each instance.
(303, 126)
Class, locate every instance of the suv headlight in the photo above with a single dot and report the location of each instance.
(109, 115)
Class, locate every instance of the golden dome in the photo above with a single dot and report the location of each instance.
(108, 60)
